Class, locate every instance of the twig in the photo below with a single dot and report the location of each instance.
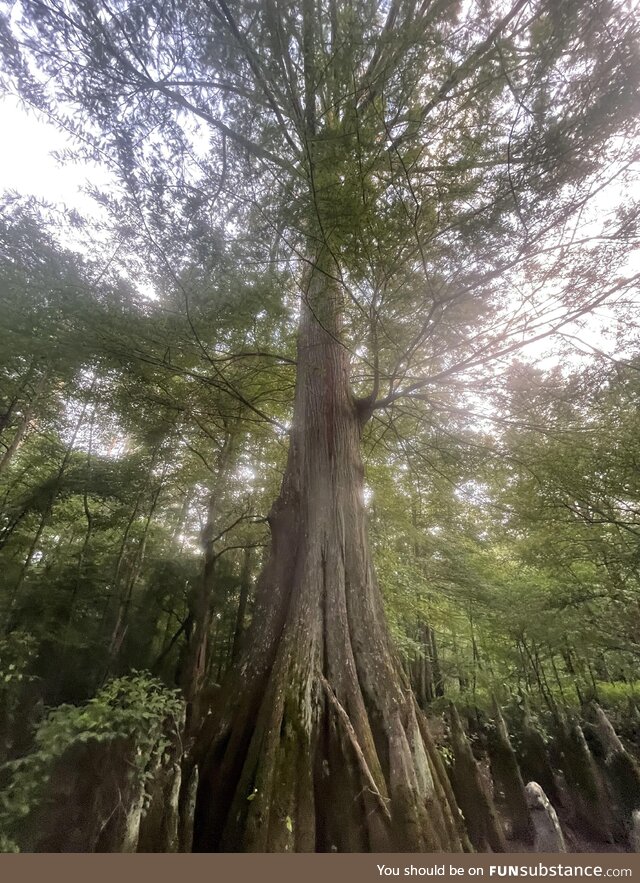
(351, 733)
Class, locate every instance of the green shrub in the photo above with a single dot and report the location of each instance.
(137, 707)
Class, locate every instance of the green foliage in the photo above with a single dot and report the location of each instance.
(616, 695)
(136, 708)
(17, 650)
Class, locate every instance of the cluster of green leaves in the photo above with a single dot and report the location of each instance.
(16, 653)
(136, 708)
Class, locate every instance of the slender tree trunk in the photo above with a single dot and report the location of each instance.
(317, 714)
(22, 426)
(438, 680)
(475, 661)
(422, 669)
(122, 621)
(47, 510)
(42, 523)
(201, 603)
(71, 605)
(546, 694)
(5, 416)
(568, 663)
(124, 543)
(19, 434)
(245, 586)
(181, 520)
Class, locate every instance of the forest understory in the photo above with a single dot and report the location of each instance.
(320, 427)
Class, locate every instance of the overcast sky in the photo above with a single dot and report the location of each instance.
(26, 163)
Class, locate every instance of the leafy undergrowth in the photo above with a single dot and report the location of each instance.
(137, 708)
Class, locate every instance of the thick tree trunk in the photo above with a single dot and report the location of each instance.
(316, 743)
(548, 836)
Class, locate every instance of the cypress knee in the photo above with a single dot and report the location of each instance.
(483, 825)
(507, 776)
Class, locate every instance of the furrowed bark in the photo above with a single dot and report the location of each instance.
(534, 759)
(483, 823)
(621, 769)
(507, 775)
(591, 806)
(317, 713)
